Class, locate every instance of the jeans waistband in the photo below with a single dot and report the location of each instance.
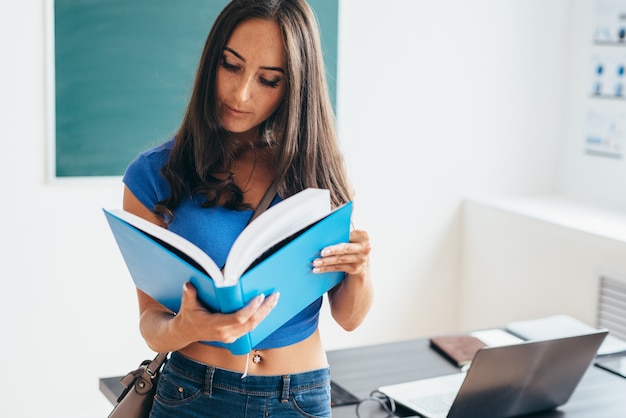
(279, 385)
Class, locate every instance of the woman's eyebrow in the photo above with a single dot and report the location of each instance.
(235, 53)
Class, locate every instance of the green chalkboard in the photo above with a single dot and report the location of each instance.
(124, 71)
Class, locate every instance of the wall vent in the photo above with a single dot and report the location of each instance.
(612, 306)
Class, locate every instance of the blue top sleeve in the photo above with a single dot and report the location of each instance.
(143, 176)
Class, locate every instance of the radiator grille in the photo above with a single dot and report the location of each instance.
(612, 306)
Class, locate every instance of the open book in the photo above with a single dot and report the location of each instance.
(273, 253)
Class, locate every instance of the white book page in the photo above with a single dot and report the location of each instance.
(496, 337)
(273, 226)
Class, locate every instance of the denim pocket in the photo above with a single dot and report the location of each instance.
(176, 389)
(312, 403)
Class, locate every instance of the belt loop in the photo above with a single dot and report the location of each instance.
(208, 381)
(285, 395)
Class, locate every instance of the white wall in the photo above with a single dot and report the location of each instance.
(436, 100)
(439, 100)
(529, 257)
(534, 254)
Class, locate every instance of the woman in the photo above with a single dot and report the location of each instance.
(259, 114)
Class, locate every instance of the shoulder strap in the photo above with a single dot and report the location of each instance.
(265, 201)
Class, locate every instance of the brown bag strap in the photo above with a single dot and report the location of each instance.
(265, 202)
(142, 377)
(156, 364)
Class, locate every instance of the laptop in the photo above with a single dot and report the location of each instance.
(504, 381)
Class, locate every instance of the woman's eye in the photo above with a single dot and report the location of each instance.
(228, 66)
(273, 83)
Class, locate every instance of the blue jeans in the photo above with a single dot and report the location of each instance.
(188, 389)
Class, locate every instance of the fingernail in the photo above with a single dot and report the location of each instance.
(317, 262)
(259, 299)
(275, 296)
(325, 252)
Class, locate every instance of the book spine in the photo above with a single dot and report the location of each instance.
(241, 346)
(231, 299)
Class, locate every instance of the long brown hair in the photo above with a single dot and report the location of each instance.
(302, 128)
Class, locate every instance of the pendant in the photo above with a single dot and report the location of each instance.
(256, 359)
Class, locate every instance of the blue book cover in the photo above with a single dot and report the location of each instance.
(273, 254)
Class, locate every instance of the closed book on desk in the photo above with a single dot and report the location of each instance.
(459, 349)
(559, 326)
(273, 254)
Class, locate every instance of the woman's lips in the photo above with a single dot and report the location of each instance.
(236, 112)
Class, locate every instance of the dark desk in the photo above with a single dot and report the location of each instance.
(360, 370)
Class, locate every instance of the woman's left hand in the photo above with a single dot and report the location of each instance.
(351, 257)
(351, 300)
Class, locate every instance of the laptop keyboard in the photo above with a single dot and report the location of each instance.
(435, 404)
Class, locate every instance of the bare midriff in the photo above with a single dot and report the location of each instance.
(300, 357)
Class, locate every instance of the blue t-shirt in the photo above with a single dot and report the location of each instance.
(214, 230)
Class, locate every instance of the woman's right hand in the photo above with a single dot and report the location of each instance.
(165, 331)
(195, 323)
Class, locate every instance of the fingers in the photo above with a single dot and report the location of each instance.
(246, 319)
(208, 326)
(190, 297)
(253, 313)
(351, 257)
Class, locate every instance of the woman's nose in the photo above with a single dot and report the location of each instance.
(243, 89)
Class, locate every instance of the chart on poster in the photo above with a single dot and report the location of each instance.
(605, 136)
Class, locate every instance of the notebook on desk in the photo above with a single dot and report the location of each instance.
(504, 381)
